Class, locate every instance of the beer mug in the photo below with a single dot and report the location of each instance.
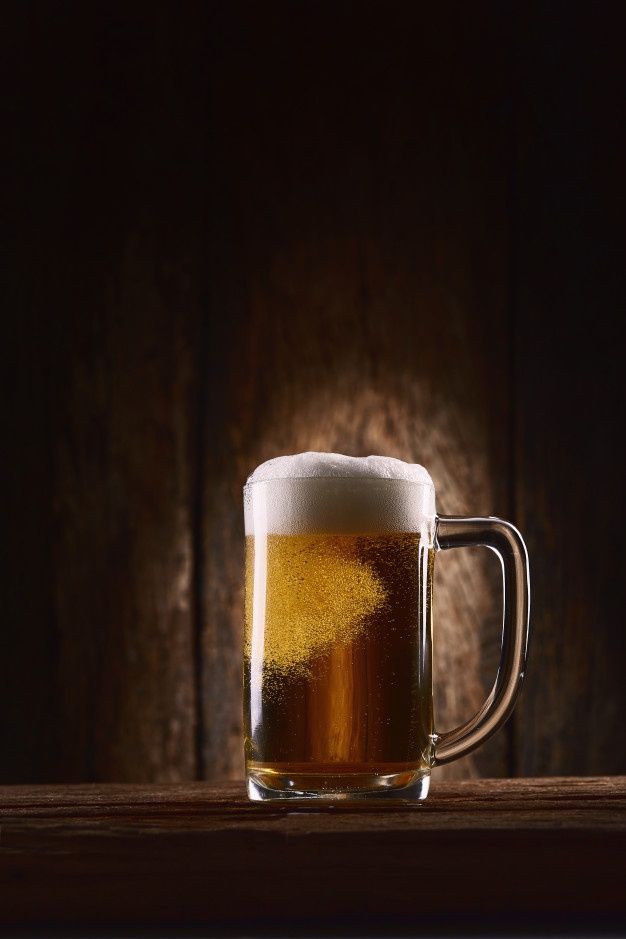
(340, 553)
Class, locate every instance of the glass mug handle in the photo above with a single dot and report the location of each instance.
(505, 540)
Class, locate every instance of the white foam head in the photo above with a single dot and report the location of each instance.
(330, 491)
(309, 465)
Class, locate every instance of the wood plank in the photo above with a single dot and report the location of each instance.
(576, 799)
(204, 855)
(571, 390)
(359, 289)
(118, 261)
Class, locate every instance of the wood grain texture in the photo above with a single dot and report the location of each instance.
(114, 327)
(359, 293)
(236, 231)
(571, 392)
(204, 855)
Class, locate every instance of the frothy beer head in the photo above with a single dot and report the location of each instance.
(333, 493)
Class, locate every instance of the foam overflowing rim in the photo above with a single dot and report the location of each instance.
(369, 479)
(325, 465)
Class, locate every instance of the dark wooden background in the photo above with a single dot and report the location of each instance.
(239, 230)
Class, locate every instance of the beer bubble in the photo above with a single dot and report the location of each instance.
(318, 593)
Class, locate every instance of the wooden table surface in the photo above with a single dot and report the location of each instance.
(203, 854)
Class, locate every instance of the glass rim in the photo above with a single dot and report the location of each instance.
(375, 479)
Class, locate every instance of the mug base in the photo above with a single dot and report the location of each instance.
(314, 787)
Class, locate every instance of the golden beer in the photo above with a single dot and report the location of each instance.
(342, 705)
